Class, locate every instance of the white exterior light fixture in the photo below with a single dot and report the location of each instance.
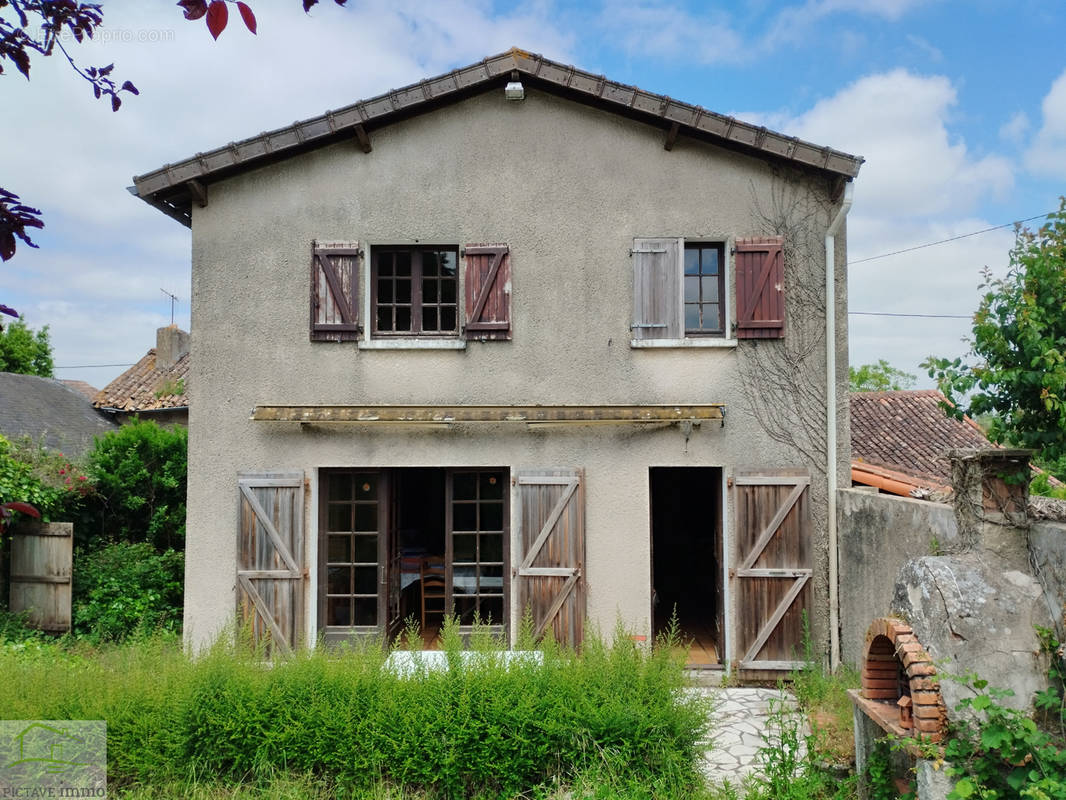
(514, 91)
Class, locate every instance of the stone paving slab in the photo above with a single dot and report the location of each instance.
(739, 728)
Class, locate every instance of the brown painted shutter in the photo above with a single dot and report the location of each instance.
(487, 281)
(657, 289)
(270, 546)
(551, 538)
(774, 568)
(760, 284)
(335, 292)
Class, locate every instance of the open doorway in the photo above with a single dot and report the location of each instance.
(419, 538)
(686, 547)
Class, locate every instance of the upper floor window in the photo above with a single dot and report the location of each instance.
(415, 290)
(704, 288)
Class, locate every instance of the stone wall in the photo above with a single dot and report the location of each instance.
(1047, 550)
(878, 534)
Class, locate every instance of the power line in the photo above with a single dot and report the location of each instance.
(950, 239)
(892, 314)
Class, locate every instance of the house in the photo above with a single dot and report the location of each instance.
(154, 387)
(564, 336)
(50, 412)
(900, 441)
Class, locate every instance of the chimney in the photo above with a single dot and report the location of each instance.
(992, 502)
(171, 343)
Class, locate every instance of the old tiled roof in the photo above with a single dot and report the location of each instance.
(143, 387)
(173, 187)
(47, 411)
(908, 432)
(81, 386)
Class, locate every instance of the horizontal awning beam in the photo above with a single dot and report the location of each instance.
(408, 414)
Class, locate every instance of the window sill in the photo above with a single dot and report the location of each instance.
(413, 344)
(683, 343)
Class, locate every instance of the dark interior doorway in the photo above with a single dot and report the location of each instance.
(420, 538)
(686, 547)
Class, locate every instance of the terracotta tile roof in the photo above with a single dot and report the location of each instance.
(81, 386)
(139, 388)
(907, 432)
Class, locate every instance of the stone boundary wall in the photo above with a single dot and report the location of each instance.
(878, 534)
(1047, 554)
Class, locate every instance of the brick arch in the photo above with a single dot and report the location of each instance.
(895, 665)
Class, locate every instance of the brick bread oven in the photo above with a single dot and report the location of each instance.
(900, 689)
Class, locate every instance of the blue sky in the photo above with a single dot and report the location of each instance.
(958, 107)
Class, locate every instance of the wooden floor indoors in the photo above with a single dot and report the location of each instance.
(700, 639)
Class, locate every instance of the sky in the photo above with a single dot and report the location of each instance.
(959, 109)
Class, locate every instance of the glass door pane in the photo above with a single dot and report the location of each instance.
(477, 545)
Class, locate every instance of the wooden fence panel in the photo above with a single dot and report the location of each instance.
(41, 561)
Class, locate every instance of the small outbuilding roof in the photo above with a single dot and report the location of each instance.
(905, 436)
(173, 187)
(50, 412)
(147, 387)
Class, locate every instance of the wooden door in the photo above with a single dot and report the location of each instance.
(477, 553)
(41, 555)
(551, 542)
(774, 568)
(270, 551)
(353, 583)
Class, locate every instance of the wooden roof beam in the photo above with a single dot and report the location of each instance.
(432, 414)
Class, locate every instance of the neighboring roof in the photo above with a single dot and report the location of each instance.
(904, 436)
(172, 187)
(81, 386)
(142, 387)
(50, 412)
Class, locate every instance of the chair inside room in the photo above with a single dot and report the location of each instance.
(433, 586)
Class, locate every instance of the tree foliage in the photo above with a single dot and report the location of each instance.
(25, 351)
(879, 377)
(1018, 372)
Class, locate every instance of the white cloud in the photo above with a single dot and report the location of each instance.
(667, 31)
(1047, 153)
(927, 48)
(1015, 128)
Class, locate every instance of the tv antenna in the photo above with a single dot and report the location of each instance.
(173, 300)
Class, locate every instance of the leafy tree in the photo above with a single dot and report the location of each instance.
(138, 476)
(1018, 374)
(25, 351)
(879, 377)
(31, 28)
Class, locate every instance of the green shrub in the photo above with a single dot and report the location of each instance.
(614, 717)
(126, 588)
(138, 473)
(21, 480)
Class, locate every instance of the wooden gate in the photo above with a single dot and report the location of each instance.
(551, 541)
(773, 569)
(41, 555)
(270, 546)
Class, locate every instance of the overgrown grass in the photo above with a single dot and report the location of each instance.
(342, 724)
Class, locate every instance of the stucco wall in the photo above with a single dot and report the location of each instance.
(1047, 551)
(567, 188)
(878, 534)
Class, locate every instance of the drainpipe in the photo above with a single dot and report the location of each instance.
(831, 421)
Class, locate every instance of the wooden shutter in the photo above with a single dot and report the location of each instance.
(773, 569)
(270, 546)
(487, 281)
(41, 557)
(551, 540)
(335, 292)
(760, 288)
(657, 297)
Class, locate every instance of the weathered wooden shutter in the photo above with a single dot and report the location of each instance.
(551, 540)
(773, 569)
(335, 292)
(488, 291)
(657, 297)
(760, 282)
(41, 557)
(270, 546)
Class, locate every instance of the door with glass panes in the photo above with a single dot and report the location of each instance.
(377, 526)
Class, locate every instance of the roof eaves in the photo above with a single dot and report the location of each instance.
(166, 187)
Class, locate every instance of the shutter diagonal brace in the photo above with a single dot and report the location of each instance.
(497, 253)
(764, 274)
(343, 303)
(564, 593)
(264, 519)
(549, 524)
(260, 606)
(768, 532)
(773, 621)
